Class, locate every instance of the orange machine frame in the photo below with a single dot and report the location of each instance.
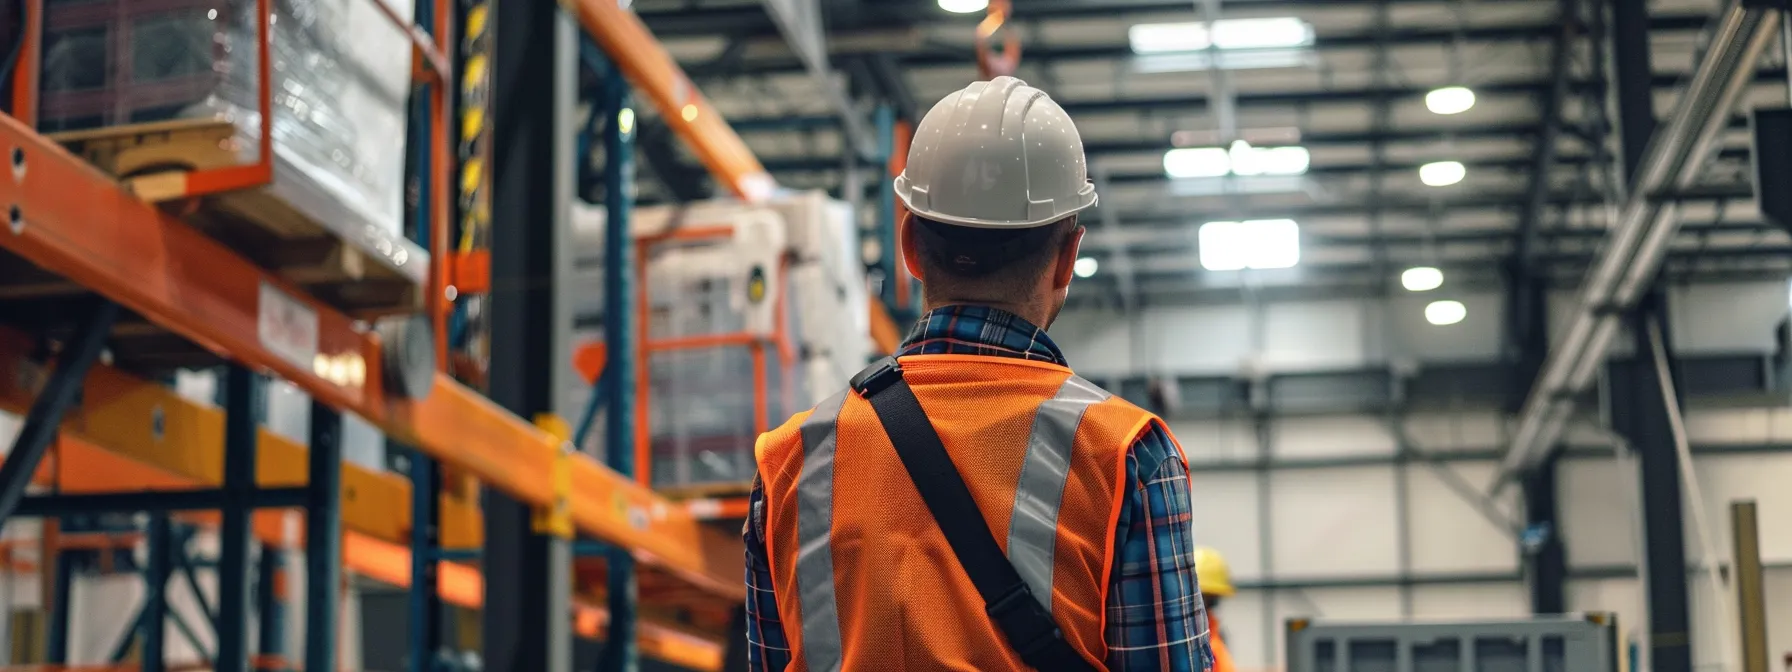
(646, 346)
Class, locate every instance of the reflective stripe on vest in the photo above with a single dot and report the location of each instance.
(815, 520)
(1033, 530)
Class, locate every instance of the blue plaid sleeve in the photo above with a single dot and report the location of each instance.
(1156, 619)
(767, 648)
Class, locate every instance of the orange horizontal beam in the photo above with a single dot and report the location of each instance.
(652, 71)
(80, 466)
(717, 508)
(77, 222)
(463, 586)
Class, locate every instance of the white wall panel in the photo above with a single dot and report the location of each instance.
(1333, 522)
(1765, 478)
(1471, 601)
(1726, 317)
(1456, 431)
(1779, 613)
(1241, 624)
(1223, 440)
(1309, 336)
(1714, 636)
(1225, 511)
(1096, 342)
(1476, 337)
(1295, 437)
(1597, 509)
(1448, 533)
(1207, 339)
(1739, 426)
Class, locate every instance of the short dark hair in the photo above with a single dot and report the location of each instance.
(1004, 263)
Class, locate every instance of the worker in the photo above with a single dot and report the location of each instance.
(971, 504)
(1216, 585)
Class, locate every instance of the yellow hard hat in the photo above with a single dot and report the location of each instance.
(1213, 574)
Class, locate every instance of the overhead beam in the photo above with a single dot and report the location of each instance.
(1643, 227)
(925, 54)
(736, 19)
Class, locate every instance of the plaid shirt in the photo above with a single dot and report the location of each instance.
(1155, 617)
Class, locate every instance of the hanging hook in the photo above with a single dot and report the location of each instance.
(992, 64)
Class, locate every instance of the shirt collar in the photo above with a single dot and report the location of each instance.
(979, 330)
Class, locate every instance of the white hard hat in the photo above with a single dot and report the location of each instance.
(996, 155)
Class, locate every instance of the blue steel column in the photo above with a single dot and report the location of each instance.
(242, 405)
(886, 208)
(323, 538)
(620, 650)
(153, 627)
(425, 602)
(270, 611)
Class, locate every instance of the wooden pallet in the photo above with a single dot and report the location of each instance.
(151, 160)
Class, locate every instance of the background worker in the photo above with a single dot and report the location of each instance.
(1216, 585)
(850, 563)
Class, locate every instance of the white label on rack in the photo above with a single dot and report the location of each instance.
(287, 327)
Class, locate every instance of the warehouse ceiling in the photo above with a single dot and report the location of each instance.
(1355, 100)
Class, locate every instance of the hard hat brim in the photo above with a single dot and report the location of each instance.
(1087, 198)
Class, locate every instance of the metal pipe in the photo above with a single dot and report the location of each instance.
(1742, 32)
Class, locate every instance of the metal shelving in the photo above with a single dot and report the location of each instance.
(131, 444)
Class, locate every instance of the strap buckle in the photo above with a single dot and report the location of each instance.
(1029, 627)
(878, 377)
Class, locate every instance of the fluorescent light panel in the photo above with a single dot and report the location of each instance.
(1450, 100)
(1442, 173)
(1254, 244)
(1445, 313)
(1227, 34)
(964, 6)
(1240, 159)
(1422, 279)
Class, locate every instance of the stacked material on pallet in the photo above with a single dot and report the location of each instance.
(341, 79)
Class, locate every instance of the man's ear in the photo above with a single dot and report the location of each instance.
(905, 240)
(1065, 267)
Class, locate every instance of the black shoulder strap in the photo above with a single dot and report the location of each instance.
(1006, 598)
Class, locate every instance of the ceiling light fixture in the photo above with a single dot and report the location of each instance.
(1445, 313)
(964, 6)
(1256, 244)
(1421, 279)
(1227, 34)
(1450, 100)
(1442, 173)
(1239, 159)
(1086, 267)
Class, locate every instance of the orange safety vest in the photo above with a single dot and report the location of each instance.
(1222, 657)
(865, 579)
